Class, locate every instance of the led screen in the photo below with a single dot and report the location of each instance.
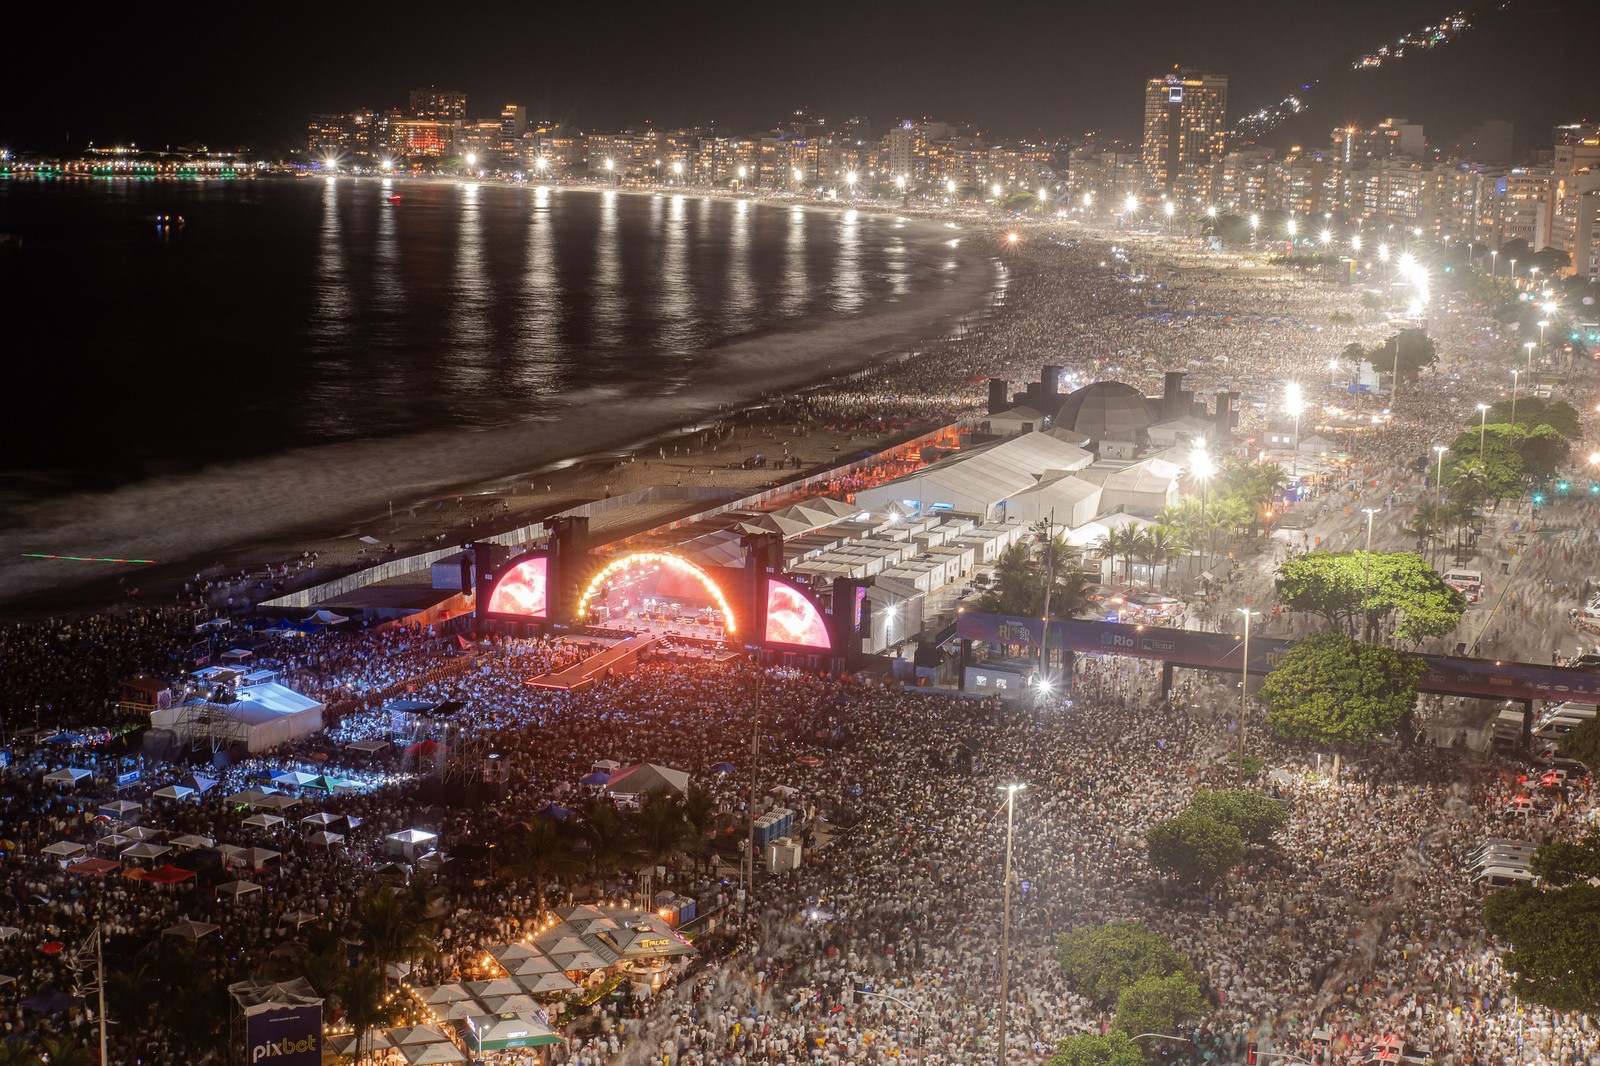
(521, 590)
(793, 619)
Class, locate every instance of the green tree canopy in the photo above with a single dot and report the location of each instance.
(1583, 744)
(1159, 1004)
(1255, 814)
(1415, 349)
(1330, 689)
(1552, 931)
(1088, 1049)
(1539, 449)
(1496, 474)
(1101, 961)
(1195, 847)
(1024, 571)
(1348, 591)
(1559, 415)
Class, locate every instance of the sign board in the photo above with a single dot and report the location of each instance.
(285, 1036)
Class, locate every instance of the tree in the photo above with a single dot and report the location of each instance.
(1195, 847)
(1088, 1049)
(1159, 1004)
(1583, 744)
(16, 1051)
(1414, 349)
(542, 851)
(1498, 474)
(608, 835)
(1022, 573)
(1330, 689)
(1101, 961)
(1255, 814)
(1540, 448)
(1358, 590)
(1532, 411)
(1552, 930)
(361, 994)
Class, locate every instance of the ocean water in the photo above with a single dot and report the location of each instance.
(298, 351)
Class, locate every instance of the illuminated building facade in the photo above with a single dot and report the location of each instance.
(1185, 124)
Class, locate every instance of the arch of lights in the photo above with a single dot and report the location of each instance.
(674, 562)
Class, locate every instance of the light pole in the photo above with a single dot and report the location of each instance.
(1366, 566)
(1438, 486)
(1483, 424)
(1515, 374)
(1494, 254)
(1294, 403)
(1244, 679)
(1202, 466)
(677, 170)
(1005, 920)
(922, 1042)
(1529, 346)
(1542, 324)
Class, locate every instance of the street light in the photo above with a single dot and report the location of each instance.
(922, 1042)
(1366, 569)
(1355, 243)
(472, 160)
(541, 163)
(1294, 403)
(1515, 375)
(1202, 466)
(1130, 204)
(1005, 921)
(850, 180)
(1244, 679)
(1438, 481)
(1483, 423)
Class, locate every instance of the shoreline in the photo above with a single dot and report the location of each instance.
(895, 332)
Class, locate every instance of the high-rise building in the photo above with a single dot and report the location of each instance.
(438, 105)
(1185, 123)
(513, 123)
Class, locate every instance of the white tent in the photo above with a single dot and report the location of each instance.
(173, 792)
(120, 808)
(145, 850)
(264, 820)
(235, 889)
(67, 775)
(191, 840)
(325, 839)
(188, 930)
(264, 716)
(64, 849)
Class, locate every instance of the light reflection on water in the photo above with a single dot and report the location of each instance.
(458, 304)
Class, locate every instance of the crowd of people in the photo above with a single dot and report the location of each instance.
(1358, 921)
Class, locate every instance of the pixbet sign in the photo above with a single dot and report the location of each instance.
(285, 1047)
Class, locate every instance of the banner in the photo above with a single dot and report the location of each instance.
(284, 1036)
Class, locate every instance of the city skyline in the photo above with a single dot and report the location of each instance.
(1054, 74)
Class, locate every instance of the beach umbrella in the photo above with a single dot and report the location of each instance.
(722, 768)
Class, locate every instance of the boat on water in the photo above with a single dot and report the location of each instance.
(394, 198)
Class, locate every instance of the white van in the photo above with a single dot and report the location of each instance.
(1501, 877)
(1468, 582)
(1556, 729)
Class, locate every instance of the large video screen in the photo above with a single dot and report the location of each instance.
(521, 591)
(794, 619)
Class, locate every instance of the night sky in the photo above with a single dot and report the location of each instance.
(249, 74)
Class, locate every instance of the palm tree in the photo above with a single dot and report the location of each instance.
(1157, 546)
(660, 829)
(15, 1051)
(700, 811)
(63, 1050)
(608, 835)
(361, 994)
(388, 924)
(543, 851)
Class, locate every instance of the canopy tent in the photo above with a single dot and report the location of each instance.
(168, 874)
(325, 839)
(646, 777)
(322, 819)
(141, 832)
(521, 1003)
(114, 841)
(188, 930)
(410, 843)
(300, 918)
(94, 867)
(327, 618)
(250, 797)
(257, 858)
(496, 1033)
(67, 775)
(64, 849)
(190, 841)
(279, 802)
(432, 1054)
(145, 850)
(291, 778)
(597, 777)
(264, 820)
(262, 717)
(545, 984)
(235, 889)
(174, 792)
(530, 966)
(329, 783)
(499, 986)
(440, 995)
(368, 747)
(51, 1002)
(9, 931)
(200, 784)
(416, 1035)
(65, 739)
